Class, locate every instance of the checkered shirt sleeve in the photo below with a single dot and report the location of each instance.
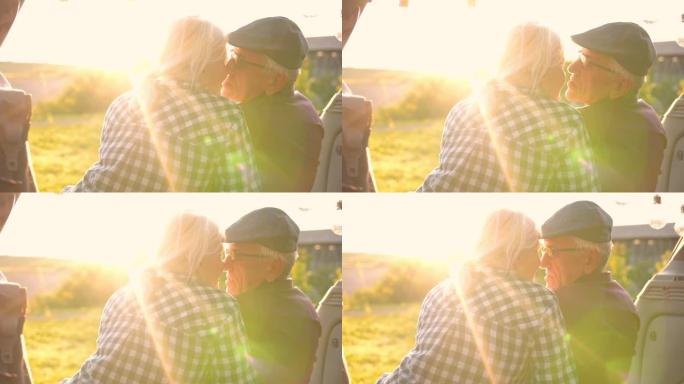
(187, 334)
(512, 333)
(182, 139)
(508, 140)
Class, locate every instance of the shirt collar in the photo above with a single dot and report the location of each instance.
(629, 98)
(279, 284)
(596, 277)
(284, 93)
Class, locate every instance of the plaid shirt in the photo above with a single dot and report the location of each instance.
(510, 139)
(184, 139)
(505, 330)
(164, 330)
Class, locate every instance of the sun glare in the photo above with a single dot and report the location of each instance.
(118, 230)
(125, 35)
(444, 228)
(449, 37)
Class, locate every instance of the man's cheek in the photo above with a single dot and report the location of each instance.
(235, 283)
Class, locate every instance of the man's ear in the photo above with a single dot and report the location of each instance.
(275, 269)
(277, 82)
(591, 262)
(622, 87)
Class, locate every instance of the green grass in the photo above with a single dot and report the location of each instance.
(63, 148)
(404, 154)
(375, 342)
(57, 345)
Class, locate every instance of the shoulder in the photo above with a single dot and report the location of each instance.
(540, 294)
(560, 112)
(445, 291)
(122, 104)
(519, 299)
(586, 295)
(299, 305)
(304, 110)
(214, 301)
(121, 300)
(466, 110)
(647, 117)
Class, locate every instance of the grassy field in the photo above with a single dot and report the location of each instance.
(57, 345)
(404, 154)
(375, 342)
(63, 148)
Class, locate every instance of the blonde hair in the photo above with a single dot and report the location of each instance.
(192, 44)
(530, 51)
(188, 239)
(505, 235)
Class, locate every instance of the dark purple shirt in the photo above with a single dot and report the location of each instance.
(286, 133)
(282, 332)
(628, 142)
(602, 322)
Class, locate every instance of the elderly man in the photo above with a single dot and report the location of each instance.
(626, 135)
(281, 322)
(599, 314)
(284, 125)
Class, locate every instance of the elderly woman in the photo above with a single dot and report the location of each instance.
(514, 135)
(491, 323)
(175, 132)
(172, 324)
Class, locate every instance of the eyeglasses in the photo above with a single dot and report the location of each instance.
(235, 61)
(590, 63)
(554, 252)
(232, 255)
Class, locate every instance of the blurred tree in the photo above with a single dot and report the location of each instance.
(405, 282)
(314, 282)
(91, 91)
(661, 95)
(662, 263)
(318, 89)
(88, 286)
(617, 265)
(429, 97)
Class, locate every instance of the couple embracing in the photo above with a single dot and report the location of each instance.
(491, 323)
(515, 134)
(172, 324)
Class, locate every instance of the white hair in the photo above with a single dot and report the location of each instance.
(288, 258)
(188, 239)
(505, 235)
(635, 81)
(530, 51)
(603, 249)
(191, 45)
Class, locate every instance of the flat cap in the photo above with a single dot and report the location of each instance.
(583, 219)
(276, 37)
(269, 227)
(627, 43)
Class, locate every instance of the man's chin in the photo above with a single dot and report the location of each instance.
(234, 289)
(572, 95)
(551, 283)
